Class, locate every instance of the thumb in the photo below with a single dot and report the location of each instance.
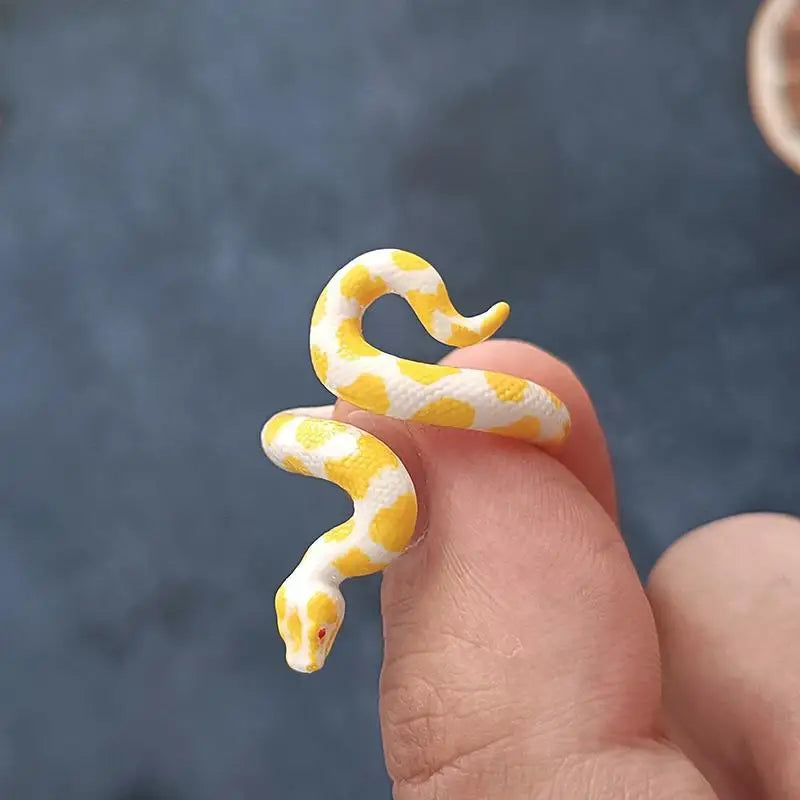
(520, 652)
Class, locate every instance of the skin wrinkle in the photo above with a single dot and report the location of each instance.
(425, 735)
(457, 712)
(417, 653)
(562, 719)
(435, 771)
(404, 584)
(495, 782)
(430, 708)
(412, 655)
(464, 577)
(515, 645)
(643, 771)
(639, 770)
(419, 730)
(568, 713)
(399, 606)
(460, 633)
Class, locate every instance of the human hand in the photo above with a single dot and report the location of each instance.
(522, 652)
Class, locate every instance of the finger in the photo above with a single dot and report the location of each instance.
(520, 652)
(726, 599)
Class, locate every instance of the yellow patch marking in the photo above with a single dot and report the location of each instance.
(354, 472)
(319, 308)
(393, 527)
(507, 388)
(556, 401)
(355, 563)
(270, 431)
(295, 465)
(313, 433)
(358, 284)
(319, 360)
(463, 337)
(352, 344)
(280, 613)
(426, 374)
(367, 391)
(280, 604)
(527, 428)
(447, 411)
(425, 305)
(340, 532)
(408, 261)
(289, 627)
(322, 612)
(498, 316)
(295, 630)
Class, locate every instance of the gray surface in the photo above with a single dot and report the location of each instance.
(177, 182)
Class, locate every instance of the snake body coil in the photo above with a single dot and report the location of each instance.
(309, 605)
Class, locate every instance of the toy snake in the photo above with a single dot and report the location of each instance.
(309, 605)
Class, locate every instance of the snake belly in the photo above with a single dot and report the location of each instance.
(309, 604)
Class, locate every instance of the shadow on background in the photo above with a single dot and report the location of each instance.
(177, 183)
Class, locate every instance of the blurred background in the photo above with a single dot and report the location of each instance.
(177, 183)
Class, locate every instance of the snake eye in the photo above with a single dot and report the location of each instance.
(321, 634)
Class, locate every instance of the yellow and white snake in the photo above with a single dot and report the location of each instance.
(309, 605)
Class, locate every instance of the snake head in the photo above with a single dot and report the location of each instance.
(309, 617)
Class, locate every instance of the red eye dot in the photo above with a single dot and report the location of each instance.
(321, 633)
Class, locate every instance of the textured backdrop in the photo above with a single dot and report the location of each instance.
(177, 182)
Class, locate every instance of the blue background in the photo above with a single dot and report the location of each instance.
(179, 180)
